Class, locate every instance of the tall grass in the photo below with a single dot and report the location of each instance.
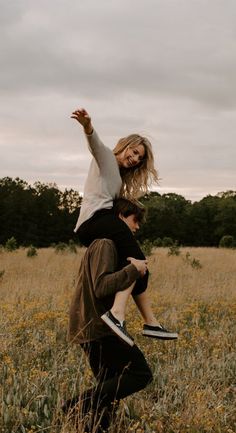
(194, 385)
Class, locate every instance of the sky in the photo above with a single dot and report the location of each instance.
(163, 68)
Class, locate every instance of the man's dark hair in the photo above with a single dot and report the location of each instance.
(127, 207)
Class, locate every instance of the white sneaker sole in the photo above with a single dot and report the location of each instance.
(116, 330)
(160, 335)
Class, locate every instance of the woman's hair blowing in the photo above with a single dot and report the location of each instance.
(137, 180)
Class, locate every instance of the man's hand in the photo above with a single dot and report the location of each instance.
(141, 265)
(84, 119)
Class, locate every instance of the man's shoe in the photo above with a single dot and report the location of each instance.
(159, 332)
(118, 327)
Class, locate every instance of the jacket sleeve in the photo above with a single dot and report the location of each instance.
(106, 280)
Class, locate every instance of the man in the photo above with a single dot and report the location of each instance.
(119, 368)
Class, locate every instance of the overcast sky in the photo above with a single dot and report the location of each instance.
(162, 68)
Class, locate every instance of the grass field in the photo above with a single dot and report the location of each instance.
(194, 385)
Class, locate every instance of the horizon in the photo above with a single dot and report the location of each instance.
(62, 188)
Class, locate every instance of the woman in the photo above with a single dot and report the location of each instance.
(126, 171)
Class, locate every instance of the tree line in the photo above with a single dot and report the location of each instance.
(41, 215)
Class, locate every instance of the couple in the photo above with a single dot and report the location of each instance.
(106, 279)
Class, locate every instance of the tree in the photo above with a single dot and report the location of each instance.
(167, 216)
(37, 215)
(227, 241)
(15, 200)
(41, 214)
(202, 223)
(225, 219)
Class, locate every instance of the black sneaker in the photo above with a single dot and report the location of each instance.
(159, 332)
(118, 327)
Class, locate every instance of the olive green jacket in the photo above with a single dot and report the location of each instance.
(98, 282)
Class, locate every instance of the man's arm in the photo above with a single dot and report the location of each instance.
(103, 261)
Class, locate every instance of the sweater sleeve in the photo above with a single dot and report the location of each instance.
(100, 152)
(103, 261)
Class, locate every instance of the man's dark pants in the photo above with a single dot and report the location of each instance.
(119, 369)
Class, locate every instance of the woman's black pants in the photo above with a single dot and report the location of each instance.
(104, 224)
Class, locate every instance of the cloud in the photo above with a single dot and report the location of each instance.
(162, 68)
(170, 48)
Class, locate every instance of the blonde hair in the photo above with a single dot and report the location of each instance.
(137, 180)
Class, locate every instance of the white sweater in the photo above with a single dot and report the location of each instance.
(103, 182)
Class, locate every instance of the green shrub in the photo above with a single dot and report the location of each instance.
(174, 250)
(227, 241)
(195, 263)
(157, 242)
(72, 246)
(32, 252)
(2, 273)
(147, 247)
(61, 247)
(167, 241)
(11, 244)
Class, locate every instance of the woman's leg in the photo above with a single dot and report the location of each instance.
(120, 303)
(152, 328)
(144, 305)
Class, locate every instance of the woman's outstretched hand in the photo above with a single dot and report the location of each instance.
(84, 119)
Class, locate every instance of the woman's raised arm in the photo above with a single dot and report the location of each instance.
(82, 116)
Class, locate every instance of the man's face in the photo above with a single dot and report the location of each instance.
(131, 222)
